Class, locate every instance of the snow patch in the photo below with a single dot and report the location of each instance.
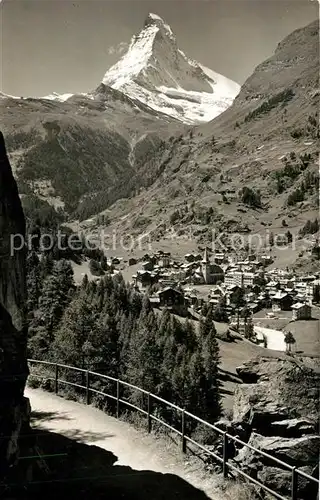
(57, 97)
(155, 17)
(134, 61)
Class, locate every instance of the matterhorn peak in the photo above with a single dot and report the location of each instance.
(159, 22)
(157, 73)
(153, 19)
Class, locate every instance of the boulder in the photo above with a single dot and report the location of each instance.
(294, 427)
(279, 388)
(280, 480)
(298, 452)
(276, 411)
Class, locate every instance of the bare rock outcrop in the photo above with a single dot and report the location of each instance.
(14, 408)
(276, 410)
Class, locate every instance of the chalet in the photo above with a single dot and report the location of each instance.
(266, 260)
(253, 307)
(174, 300)
(192, 257)
(216, 295)
(281, 301)
(115, 261)
(164, 259)
(169, 296)
(144, 278)
(147, 265)
(272, 285)
(191, 299)
(252, 257)
(301, 311)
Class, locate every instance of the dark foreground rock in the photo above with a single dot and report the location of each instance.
(276, 410)
(14, 408)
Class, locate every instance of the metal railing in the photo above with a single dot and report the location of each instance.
(151, 398)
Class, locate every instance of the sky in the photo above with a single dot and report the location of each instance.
(68, 45)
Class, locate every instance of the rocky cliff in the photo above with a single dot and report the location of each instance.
(276, 410)
(14, 408)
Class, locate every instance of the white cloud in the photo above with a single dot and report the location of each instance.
(117, 49)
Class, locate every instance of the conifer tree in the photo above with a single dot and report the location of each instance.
(210, 354)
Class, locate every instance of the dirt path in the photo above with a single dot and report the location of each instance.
(132, 448)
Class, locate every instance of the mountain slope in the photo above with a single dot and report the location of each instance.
(266, 141)
(82, 152)
(156, 72)
(85, 153)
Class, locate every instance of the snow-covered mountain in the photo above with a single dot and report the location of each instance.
(156, 72)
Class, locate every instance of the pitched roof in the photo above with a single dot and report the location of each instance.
(298, 305)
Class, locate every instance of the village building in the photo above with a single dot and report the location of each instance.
(248, 280)
(132, 261)
(281, 301)
(115, 261)
(164, 259)
(216, 295)
(301, 311)
(233, 278)
(219, 258)
(192, 257)
(173, 299)
(147, 265)
(266, 260)
(211, 273)
(144, 278)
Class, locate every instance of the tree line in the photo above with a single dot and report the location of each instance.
(111, 328)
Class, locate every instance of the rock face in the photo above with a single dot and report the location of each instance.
(157, 73)
(14, 408)
(276, 410)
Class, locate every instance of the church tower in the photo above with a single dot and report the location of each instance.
(205, 267)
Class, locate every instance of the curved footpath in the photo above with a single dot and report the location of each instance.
(130, 447)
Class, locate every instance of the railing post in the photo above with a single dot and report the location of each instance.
(118, 398)
(149, 413)
(183, 432)
(225, 454)
(294, 484)
(88, 387)
(56, 379)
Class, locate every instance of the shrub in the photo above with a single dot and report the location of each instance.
(310, 227)
(250, 197)
(95, 268)
(272, 102)
(297, 133)
(295, 197)
(141, 222)
(175, 216)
